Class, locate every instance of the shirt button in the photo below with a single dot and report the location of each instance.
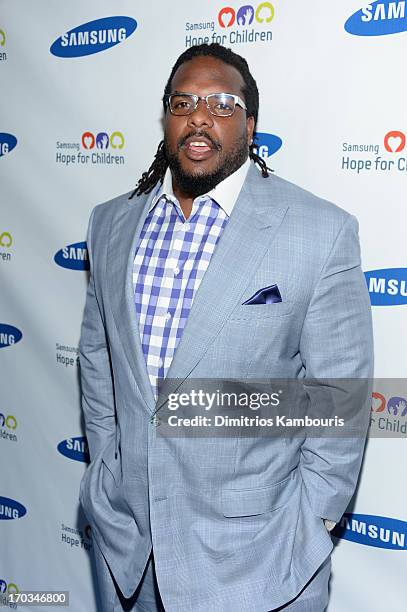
(168, 316)
(155, 421)
(186, 226)
(176, 271)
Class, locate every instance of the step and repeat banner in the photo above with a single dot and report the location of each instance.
(80, 98)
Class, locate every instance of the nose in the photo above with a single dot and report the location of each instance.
(201, 116)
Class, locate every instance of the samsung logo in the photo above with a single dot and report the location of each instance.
(387, 287)
(7, 143)
(377, 531)
(75, 448)
(9, 335)
(94, 36)
(11, 509)
(378, 19)
(266, 144)
(73, 256)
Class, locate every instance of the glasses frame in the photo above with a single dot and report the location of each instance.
(238, 102)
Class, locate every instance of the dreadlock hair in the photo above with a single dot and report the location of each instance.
(159, 166)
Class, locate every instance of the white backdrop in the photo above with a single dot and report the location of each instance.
(335, 96)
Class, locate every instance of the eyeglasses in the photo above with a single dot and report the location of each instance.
(219, 104)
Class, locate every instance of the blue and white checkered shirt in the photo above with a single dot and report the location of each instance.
(171, 259)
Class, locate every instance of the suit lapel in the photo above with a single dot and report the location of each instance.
(124, 234)
(252, 226)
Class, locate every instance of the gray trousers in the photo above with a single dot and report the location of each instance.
(145, 599)
(312, 598)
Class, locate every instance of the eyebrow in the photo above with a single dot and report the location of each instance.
(182, 91)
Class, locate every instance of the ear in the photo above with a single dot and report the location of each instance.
(249, 129)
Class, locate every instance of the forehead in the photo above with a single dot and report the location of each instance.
(205, 75)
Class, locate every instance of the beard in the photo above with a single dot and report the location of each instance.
(196, 184)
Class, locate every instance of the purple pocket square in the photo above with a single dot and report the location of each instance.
(267, 295)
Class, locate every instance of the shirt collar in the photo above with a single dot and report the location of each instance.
(225, 193)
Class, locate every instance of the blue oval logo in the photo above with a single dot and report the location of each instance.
(9, 335)
(266, 144)
(387, 287)
(378, 19)
(73, 256)
(7, 143)
(11, 509)
(94, 36)
(370, 530)
(75, 448)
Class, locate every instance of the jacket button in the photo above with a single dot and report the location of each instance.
(155, 421)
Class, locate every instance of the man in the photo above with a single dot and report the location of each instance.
(213, 523)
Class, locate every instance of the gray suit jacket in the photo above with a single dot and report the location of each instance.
(236, 523)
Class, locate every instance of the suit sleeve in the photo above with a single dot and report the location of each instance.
(337, 351)
(95, 368)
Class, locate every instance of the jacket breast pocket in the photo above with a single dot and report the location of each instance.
(254, 501)
(249, 312)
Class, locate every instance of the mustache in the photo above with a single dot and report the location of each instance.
(215, 143)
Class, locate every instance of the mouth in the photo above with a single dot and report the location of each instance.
(199, 148)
